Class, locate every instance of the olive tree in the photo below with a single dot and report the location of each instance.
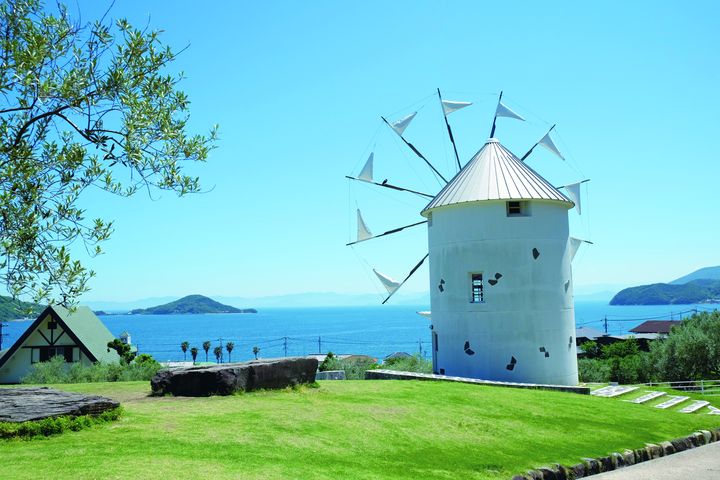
(81, 105)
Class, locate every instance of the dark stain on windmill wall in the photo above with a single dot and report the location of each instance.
(567, 285)
(542, 349)
(467, 349)
(494, 281)
(511, 366)
(536, 253)
(570, 342)
(441, 285)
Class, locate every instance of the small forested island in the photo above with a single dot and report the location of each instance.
(194, 304)
(701, 286)
(12, 309)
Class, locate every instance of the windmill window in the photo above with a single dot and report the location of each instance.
(517, 209)
(476, 283)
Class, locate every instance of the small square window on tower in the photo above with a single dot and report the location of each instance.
(517, 209)
(477, 288)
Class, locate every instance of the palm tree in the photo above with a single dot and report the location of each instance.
(256, 350)
(184, 347)
(206, 347)
(218, 353)
(229, 347)
(193, 353)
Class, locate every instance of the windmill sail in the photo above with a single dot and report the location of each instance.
(574, 245)
(363, 232)
(390, 285)
(547, 142)
(366, 173)
(503, 111)
(450, 106)
(573, 191)
(400, 125)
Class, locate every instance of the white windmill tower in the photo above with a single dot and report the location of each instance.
(500, 268)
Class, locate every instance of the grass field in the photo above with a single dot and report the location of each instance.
(350, 429)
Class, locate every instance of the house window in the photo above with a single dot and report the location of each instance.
(46, 353)
(477, 288)
(517, 209)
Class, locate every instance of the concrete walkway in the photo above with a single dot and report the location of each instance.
(698, 463)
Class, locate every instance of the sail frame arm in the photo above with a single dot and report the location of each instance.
(389, 232)
(390, 186)
(417, 152)
(419, 264)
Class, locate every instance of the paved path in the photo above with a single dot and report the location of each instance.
(702, 463)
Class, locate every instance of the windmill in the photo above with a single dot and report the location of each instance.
(499, 252)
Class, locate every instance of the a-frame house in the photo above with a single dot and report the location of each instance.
(78, 336)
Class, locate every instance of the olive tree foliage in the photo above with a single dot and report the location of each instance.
(81, 106)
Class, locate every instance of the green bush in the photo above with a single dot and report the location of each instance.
(144, 367)
(415, 363)
(354, 369)
(593, 370)
(54, 426)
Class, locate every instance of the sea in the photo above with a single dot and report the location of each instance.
(376, 331)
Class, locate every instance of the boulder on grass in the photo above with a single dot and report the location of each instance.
(36, 403)
(229, 378)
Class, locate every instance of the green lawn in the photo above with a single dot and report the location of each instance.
(344, 429)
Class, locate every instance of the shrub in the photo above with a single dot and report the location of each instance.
(415, 363)
(144, 367)
(593, 370)
(54, 426)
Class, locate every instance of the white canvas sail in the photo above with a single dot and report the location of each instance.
(547, 142)
(390, 285)
(367, 172)
(363, 232)
(574, 245)
(402, 124)
(573, 191)
(450, 106)
(503, 111)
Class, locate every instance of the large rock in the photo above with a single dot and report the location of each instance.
(35, 403)
(235, 377)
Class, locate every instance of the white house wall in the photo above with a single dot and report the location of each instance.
(524, 330)
(21, 362)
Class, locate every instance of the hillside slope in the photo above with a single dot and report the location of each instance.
(695, 291)
(707, 273)
(194, 304)
(11, 309)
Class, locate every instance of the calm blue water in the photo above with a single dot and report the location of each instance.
(376, 331)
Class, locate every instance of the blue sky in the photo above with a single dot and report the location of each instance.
(297, 89)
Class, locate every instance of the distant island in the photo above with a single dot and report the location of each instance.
(13, 309)
(193, 304)
(701, 286)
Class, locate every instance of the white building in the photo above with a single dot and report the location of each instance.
(77, 336)
(500, 274)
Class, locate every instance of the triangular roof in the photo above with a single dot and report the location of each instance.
(494, 173)
(86, 329)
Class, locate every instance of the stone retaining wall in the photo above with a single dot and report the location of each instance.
(393, 375)
(592, 466)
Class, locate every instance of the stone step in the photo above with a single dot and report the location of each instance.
(694, 406)
(672, 401)
(713, 410)
(613, 391)
(649, 395)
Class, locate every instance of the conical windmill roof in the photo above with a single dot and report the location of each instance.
(494, 173)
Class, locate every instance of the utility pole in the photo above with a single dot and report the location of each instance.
(285, 345)
(420, 346)
(605, 324)
(319, 345)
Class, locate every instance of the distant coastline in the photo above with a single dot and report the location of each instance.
(191, 304)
